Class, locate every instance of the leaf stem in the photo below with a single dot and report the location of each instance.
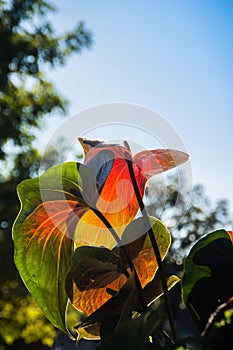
(155, 248)
(129, 261)
(214, 315)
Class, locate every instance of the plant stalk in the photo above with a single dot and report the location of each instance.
(155, 248)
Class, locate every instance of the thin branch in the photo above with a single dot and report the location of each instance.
(155, 248)
(214, 315)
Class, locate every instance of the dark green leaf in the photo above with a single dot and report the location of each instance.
(133, 334)
(208, 276)
(93, 267)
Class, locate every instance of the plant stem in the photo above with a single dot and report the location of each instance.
(129, 261)
(155, 248)
(214, 315)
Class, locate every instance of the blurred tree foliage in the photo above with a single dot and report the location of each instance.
(186, 221)
(28, 45)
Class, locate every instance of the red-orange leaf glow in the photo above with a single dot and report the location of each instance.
(231, 235)
(90, 300)
(49, 219)
(117, 200)
(145, 264)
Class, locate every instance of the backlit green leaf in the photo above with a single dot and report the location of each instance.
(51, 206)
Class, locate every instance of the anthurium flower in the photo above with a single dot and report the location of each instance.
(117, 200)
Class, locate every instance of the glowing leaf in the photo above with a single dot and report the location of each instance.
(51, 206)
(90, 300)
(113, 307)
(117, 200)
(144, 260)
(153, 162)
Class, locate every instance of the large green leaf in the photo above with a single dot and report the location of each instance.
(51, 206)
(208, 275)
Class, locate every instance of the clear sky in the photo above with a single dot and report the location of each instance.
(172, 56)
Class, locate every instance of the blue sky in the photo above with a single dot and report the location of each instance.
(171, 56)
